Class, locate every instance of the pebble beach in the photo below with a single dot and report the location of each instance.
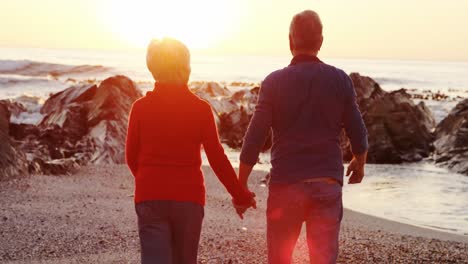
(88, 217)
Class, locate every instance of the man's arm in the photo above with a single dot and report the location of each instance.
(356, 132)
(257, 132)
(244, 173)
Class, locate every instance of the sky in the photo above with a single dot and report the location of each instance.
(365, 29)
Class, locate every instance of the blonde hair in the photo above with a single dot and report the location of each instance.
(168, 60)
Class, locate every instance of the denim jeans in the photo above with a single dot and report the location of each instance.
(169, 231)
(319, 205)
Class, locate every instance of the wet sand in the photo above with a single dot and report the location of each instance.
(89, 218)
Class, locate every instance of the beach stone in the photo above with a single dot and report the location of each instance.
(398, 129)
(54, 166)
(12, 160)
(451, 139)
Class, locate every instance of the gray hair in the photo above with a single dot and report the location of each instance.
(305, 31)
(168, 60)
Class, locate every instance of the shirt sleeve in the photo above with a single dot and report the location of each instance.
(132, 142)
(352, 120)
(259, 126)
(219, 161)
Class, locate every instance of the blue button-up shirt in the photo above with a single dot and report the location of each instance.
(306, 104)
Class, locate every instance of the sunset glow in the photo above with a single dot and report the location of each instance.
(364, 29)
(200, 24)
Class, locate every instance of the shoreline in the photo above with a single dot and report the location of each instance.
(88, 217)
(379, 223)
(264, 169)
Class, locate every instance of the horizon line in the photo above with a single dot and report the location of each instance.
(198, 52)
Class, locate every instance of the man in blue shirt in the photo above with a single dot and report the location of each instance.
(306, 105)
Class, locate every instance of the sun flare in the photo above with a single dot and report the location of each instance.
(199, 24)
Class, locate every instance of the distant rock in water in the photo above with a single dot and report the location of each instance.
(82, 124)
(399, 130)
(12, 160)
(451, 143)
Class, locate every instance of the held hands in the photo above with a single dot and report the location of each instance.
(244, 173)
(241, 208)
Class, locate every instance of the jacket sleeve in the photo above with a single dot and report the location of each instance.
(259, 126)
(219, 161)
(352, 120)
(132, 142)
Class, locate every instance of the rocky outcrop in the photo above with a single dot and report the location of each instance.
(74, 95)
(210, 89)
(233, 124)
(451, 143)
(233, 111)
(87, 124)
(12, 160)
(399, 130)
(107, 118)
(82, 124)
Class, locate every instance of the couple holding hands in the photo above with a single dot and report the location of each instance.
(306, 105)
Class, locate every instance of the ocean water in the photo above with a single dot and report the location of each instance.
(418, 193)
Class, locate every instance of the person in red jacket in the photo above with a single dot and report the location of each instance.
(166, 131)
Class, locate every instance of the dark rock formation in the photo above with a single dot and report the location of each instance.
(399, 131)
(87, 124)
(12, 160)
(75, 94)
(93, 119)
(233, 111)
(82, 124)
(234, 123)
(107, 119)
(451, 143)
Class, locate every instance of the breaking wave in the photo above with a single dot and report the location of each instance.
(34, 68)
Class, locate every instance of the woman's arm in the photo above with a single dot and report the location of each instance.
(220, 163)
(132, 142)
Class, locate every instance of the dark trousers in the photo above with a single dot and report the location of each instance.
(319, 205)
(169, 231)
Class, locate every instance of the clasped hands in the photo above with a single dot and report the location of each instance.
(241, 208)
